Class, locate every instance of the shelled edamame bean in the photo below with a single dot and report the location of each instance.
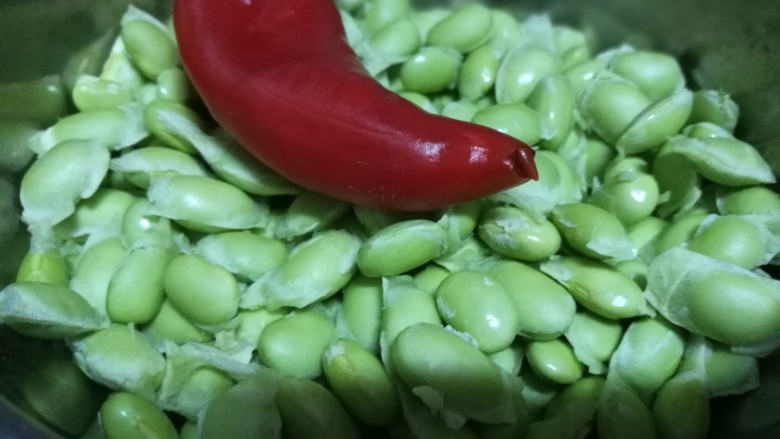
(191, 279)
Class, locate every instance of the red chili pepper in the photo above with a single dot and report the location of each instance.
(279, 76)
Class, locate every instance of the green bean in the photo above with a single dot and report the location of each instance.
(308, 409)
(91, 92)
(460, 110)
(189, 430)
(658, 75)
(309, 212)
(204, 204)
(729, 373)
(201, 386)
(126, 415)
(515, 119)
(113, 128)
(47, 266)
(517, 427)
(729, 239)
(404, 305)
(446, 371)
(396, 39)
(609, 105)
(169, 122)
(630, 198)
(120, 357)
(597, 157)
(594, 340)
(243, 253)
(512, 232)
(678, 232)
(148, 46)
(553, 100)
(463, 30)
(599, 287)
(118, 68)
(359, 380)
(429, 278)
(378, 13)
(136, 293)
(431, 70)
(174, 85)
(506, 32)
(42, 100)
(580, 75)
(510, 359)
(537, 392)
(750, 200)
(575, 406)
(625, 167)
(142, 165)
(203, 292)
(648, 354)
(101, 213)
(545, 309)
(477, 74)
(716, 299)
(621, 414)
(537, 197)
(315, 270)
(15, 134)
(141, 229)
(641, 235)
(362, 305)
(521, 69)
(478, 305)
(295, 343)
(462, 220)
(682, 409)
(592, 231)
(170, 324)
(252, 322)
(94, 269)
(45, 310)
(554, 360)
(714, 106)
(69, 172)
(656, 124)
(390, 251)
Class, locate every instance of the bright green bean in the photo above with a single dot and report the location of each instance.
(609, 105)
(729, 239)
(598, 286)
(401, 247)
(431, 70)
(656, 124)
(358, 378)
(295, 343)
(243, 253)
(463, 30)
(362, 304)
(631, 198)
(174, 85)
(141, 165)
(521, 69)
(120, 357)
(751, 200)
(252, 322)
(512, 232)
(621, 414)
(100, 214)
(149, 47)
(553, 100)
(714, 106)
(44, 266)
(515, 119)
(594, 340)
(126, 415)
(94, 269)
(658, 75)
(309, 212)
(135, 293)
(478, 305)
(592, 231)
(404, 305)
(91, 92)
(378, 13)
(429, 278)
(477, 74)
(203, 292)
(308, 409)
(170, 324)
(545, 309)
(554, 360)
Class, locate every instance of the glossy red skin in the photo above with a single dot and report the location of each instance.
(279, 76)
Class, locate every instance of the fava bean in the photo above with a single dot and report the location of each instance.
(170, 324)
(174, 85)
(678, 232)
(575, 406)
(141, 165)
(141, 229)
(91, 92)
(751, 200)
(505, 32)
(251, 322)
(94, 269)
(553, 100)
(44, 266)
(621, 414)
(149, 47)
(597, 156)
(429, 278)
(656, 124)
(714, 106)
(99, 215)
(630, 199)
(404, 305)
(478, 305)
(295, 344)
(309, 212)
(609, 105)
(681, 409)
(397, 39)
(126, 415)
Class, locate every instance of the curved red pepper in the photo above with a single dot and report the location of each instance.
(279, 76)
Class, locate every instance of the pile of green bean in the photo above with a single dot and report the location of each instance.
(617, 294)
